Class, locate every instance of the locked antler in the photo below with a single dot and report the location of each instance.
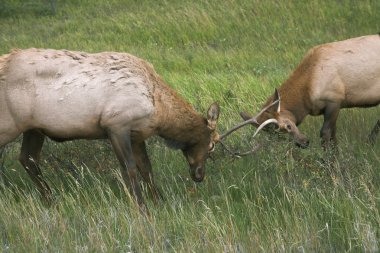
(249, 121)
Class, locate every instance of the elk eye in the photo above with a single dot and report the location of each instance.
(288, 127)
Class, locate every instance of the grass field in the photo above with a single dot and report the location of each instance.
(282, 199)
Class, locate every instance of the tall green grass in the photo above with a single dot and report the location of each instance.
(282, 199)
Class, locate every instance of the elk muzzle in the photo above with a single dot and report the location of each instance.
(300, 139)
(197, 173)
(286, 124)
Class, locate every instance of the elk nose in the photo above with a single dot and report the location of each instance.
(197, 174)
(306, 143)
(303, 143)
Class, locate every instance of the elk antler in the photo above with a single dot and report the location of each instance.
(249, 121)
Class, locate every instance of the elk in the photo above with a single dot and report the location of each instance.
(67, 95)
(331, 76)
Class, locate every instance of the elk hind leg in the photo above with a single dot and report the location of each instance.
(7, 135)
(374, 133)
(30, 153)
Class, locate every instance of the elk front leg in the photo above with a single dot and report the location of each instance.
(145, 168)
(328, 130)
(30, 153)
(374, 132)
(121, 143)
(8, 132)
(2, 177)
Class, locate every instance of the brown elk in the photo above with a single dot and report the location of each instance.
(69, 95)
(332, 76)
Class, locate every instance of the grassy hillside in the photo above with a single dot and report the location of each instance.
(281, 199)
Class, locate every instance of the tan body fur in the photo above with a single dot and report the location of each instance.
(332, 76)
(70, 95)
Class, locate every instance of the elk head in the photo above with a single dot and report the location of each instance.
(197, 153)
(281, 117)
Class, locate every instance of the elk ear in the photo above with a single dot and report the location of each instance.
(277, 97)
(213, 115)
(276, 107)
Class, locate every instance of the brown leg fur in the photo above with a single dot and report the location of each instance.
(121, 143)
(30, 152)
(145, 168)
(374, 133)
(328, 130)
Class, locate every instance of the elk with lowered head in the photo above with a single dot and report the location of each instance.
(330, 77)
(68, 95)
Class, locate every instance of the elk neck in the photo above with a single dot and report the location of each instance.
(295, 91)
(177, 122)
(295, 100)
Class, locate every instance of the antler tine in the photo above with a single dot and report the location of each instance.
(252, 120)
(238, 154)
(249, 121)
(267, 107)
(227, 148)
(249, 152)
(267, 122)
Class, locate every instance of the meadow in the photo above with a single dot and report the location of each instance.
(281, 199)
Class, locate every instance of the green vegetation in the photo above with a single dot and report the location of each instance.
(281, 199)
